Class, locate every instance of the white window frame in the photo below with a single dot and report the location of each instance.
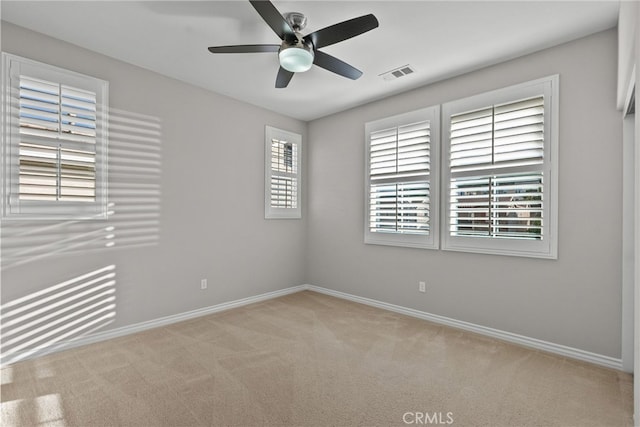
(547, 247)
(271, 212)
(430, 240)
(12, 206)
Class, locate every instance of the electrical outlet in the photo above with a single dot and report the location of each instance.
(422, 286)
(203, 284)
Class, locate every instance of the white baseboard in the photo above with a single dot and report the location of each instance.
(143, 326)
(533, 343)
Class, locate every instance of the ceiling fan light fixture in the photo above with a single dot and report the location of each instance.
(296, 59)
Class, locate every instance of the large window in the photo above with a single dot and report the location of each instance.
(401, 180)
(499, 174)
(500, 171)
(282, 174)
(54, 142)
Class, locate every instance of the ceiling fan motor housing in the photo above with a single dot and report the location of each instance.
(296, 20)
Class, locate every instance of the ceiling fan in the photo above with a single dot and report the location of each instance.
(297, 53)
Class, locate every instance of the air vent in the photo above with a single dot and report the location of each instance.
(396, 73)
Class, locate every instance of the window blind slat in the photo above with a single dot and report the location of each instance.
(83, 97)
(36, 111)
(42, 98)
(474, 132)
(387, 153)
(383, 145)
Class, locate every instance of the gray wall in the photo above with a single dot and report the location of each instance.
(187, 179)
(573, 301)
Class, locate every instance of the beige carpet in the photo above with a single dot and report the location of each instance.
(310, 360)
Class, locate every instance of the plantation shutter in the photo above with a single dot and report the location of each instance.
(498, 136)
(57, 148)
(399, 170)
(284, 171)
(496, 171)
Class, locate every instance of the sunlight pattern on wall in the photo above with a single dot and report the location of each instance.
(134, 196)
(135, 164)
(39, 322)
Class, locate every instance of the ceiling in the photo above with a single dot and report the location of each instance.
(438, 39)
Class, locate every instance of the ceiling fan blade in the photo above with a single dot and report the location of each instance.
(246, 48)
(272, 17)
(333, 64)
(342, 31)
(283, 78)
